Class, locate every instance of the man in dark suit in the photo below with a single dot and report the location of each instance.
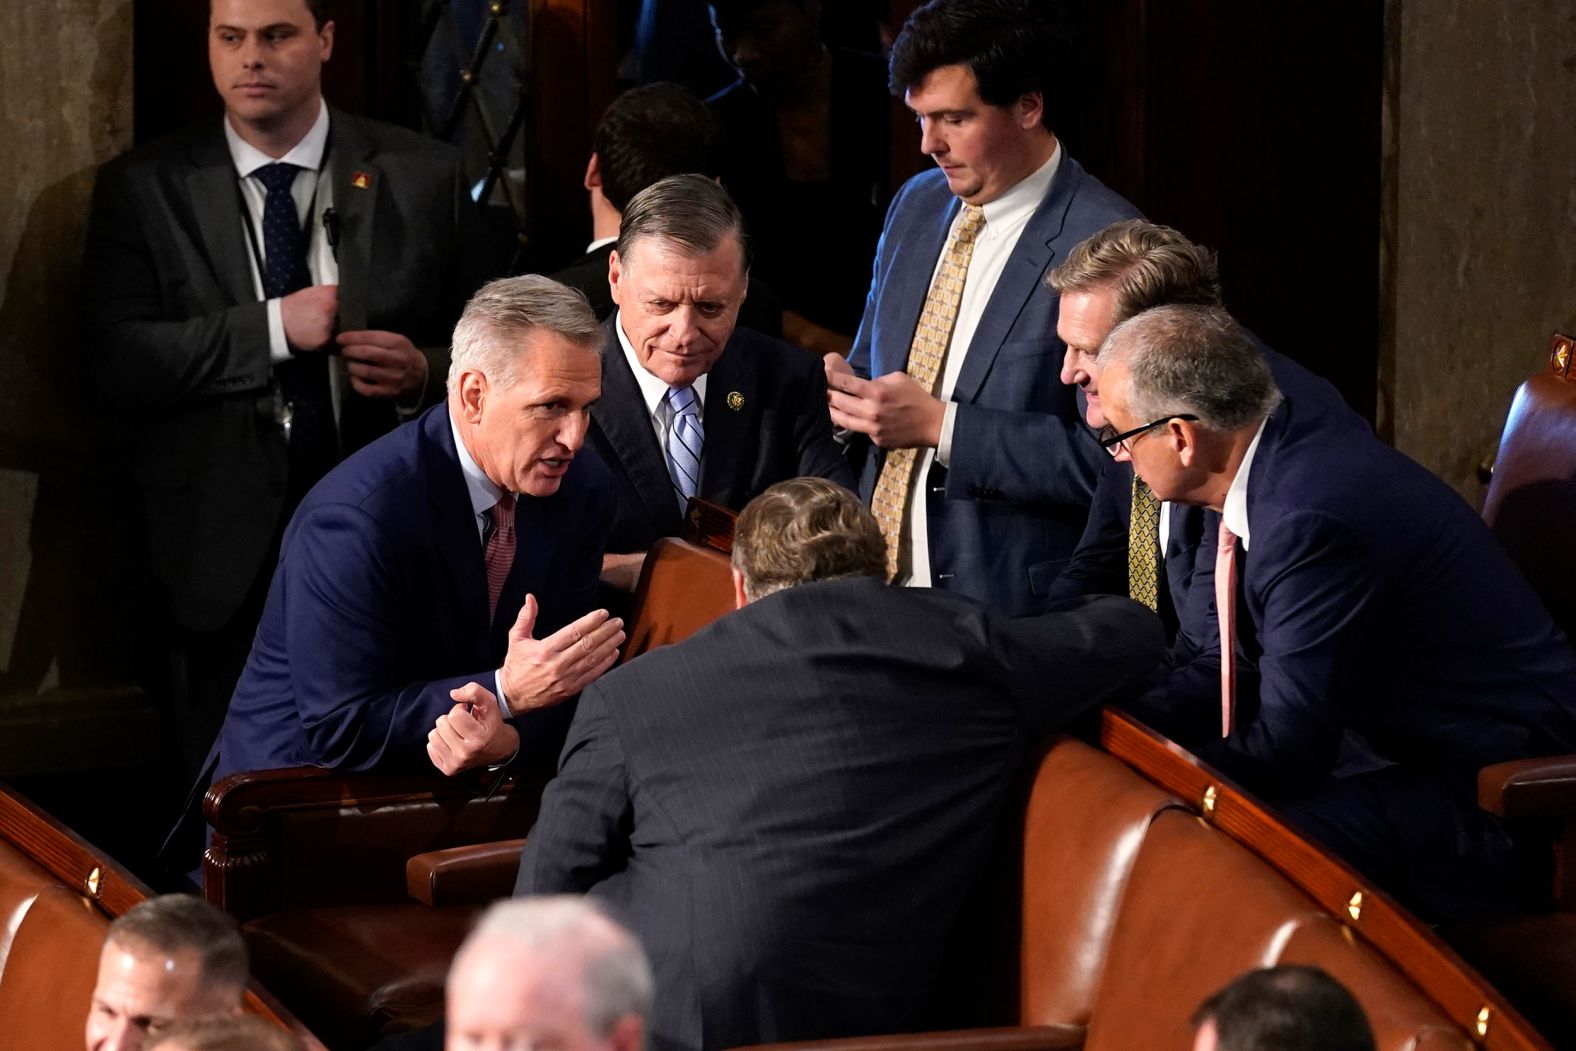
(792, 807)
(414, 579)
(1397, 648)
(263, 295)
(1121, 271)
(692, 405)
(982, 469)
(647, 134)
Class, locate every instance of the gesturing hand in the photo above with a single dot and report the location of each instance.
(472, 733)
(894, 410)
(539, 673)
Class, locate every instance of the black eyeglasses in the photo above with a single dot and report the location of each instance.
(1110, 440)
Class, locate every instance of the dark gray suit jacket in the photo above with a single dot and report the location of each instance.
(177, 340)
(792, 807)
(765, 420)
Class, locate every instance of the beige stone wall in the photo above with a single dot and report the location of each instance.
(1479, 251)
(65, 107)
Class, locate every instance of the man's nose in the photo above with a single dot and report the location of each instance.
(572, 434)
(1070, 369)
(931, 141)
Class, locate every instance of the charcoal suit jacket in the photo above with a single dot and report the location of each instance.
(176, 339)
(792, 807)
(765, 421)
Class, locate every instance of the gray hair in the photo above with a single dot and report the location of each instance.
(1192, 360)
(491, 335)
(175, 923)
(616, 972)
(689, 212)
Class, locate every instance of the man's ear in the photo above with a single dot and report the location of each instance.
(615, 271)
(593, 179)
(1183, 437)
(629, 1034)
(740, 599)
(326, 34)
(1031, 109)
(473, 394)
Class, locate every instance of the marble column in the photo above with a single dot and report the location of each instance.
(1478, 251)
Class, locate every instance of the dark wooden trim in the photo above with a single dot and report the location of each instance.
(68, 857)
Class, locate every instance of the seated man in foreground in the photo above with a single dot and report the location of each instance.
(168, 958)
(792, 806)
(429, 563)
(1398, 650)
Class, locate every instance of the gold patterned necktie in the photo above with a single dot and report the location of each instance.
(926, 355)
(1143, 547)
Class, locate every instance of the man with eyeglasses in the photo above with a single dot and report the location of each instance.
(1397, 648)
(1134, 544)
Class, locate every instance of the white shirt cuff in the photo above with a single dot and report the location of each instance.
(503, 702)
(948, 422)
(278, 349)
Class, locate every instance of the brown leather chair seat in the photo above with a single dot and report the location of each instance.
(357, 973)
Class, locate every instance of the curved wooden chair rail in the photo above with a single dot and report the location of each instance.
(1460, 992)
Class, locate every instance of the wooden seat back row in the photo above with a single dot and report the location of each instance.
(57, 898)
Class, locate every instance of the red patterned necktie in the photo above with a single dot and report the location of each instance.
(499, 552)
(1226, 609)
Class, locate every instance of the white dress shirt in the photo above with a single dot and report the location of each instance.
(1005, 218)
(1234, 512)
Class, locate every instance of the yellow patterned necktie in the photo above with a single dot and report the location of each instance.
(926, 355)
(1143, 546)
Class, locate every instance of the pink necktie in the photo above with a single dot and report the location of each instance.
(499, 553)
(1226, 609)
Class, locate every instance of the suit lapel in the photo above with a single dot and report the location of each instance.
(356, 182)
(1024, 271)
(625, 422)
(216, 202)
(733, 381)
(455, 532)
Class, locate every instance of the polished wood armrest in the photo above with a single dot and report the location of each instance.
(310, 838)
(1015, 1038)
(1530, 788)
(474, 874)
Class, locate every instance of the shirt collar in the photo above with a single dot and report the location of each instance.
(1234, 512)
(600, 242)
(484, 494)
(652, 389)
(308, 153)
(1018, 203)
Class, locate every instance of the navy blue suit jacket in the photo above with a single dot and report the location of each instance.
(1099, 565)
(378, 606)
(765, 421)
(792, 807)
(1374, 602)
(1008, 509)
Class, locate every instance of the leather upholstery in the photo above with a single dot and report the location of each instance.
(1085, 819)
(1531, 500)
(355, 974)
(683, 587)
(1401, 1019)
(20, 883)
(470, 875)
(1198, 910)
(53, 963)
